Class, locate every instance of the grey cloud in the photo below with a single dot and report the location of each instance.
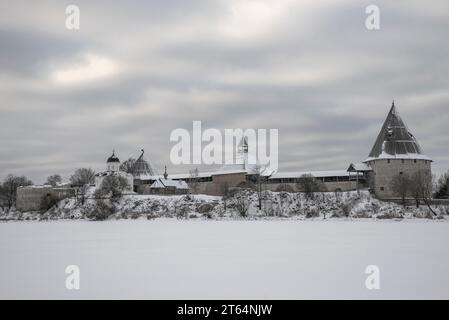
(28, 52)
(170, 78)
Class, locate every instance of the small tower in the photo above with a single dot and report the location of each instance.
(165, 173)
(113, 163)
(242, 152)
(395, 152)
(243, 145)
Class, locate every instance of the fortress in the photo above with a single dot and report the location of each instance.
(396, 151)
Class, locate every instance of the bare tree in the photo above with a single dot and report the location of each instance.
(422, 187)
(226, 193)
(82, 177)
(309, 185)
(258, 179)
(194, 180)
(428, 190)
(400, 184)
(53, 180)
(81, 193)
(128, 166)
(10, 186)
(416, 183)
(443, 186)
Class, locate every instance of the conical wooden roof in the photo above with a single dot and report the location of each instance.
(395, 140)
(141, 167)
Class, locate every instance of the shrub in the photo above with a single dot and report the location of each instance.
(101, 211)
(242, 205)
(285, 188)
(312, 212)
(48, 201)
(346, 209)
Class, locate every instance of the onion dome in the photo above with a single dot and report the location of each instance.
(113, 158)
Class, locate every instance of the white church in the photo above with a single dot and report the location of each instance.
(113, 169)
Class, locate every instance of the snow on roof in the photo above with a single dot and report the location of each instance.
(44, 186)
(146, 177)
(385, 155)
(361, 167)
(111, 173)
(164, 183)
(189, 175)
(316, 174)
(228, 171)
(268, 173)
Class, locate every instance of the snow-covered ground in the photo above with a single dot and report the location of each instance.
(241, 205)
(177, 259)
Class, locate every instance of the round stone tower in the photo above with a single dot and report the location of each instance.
(395, 152)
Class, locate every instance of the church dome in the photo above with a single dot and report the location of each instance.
(113, 158)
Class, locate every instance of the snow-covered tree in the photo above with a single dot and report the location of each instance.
(242, 204)
(113, 187)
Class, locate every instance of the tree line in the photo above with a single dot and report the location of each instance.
(420, 187)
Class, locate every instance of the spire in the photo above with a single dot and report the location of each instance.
(393, 108)
(165, 173)
(395, 140)
(141, 155)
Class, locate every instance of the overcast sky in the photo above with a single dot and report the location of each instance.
(136, 70)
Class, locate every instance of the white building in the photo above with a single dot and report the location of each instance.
(168, 186)
(113, 169)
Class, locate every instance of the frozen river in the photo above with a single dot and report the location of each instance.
(171, 259)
